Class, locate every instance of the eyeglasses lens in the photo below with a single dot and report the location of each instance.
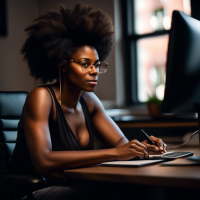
(103, 67)
(100, 67)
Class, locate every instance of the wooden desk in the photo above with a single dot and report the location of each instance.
(154, 175)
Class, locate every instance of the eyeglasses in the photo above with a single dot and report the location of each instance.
(86, 66)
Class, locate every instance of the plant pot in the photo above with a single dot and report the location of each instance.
(154, 109)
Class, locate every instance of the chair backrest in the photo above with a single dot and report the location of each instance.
(11, 104)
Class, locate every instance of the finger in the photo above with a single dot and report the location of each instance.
(155, 152)
(139, 154)
(158, 142)
(140, 149)
(144, 142)
(151, 147)
(139, 144)
(137, 157)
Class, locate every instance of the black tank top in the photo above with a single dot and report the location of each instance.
(62, 137)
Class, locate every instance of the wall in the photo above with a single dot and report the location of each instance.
(14, 73)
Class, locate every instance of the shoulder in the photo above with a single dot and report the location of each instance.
(38, 100)
(38, 94)
(92, 101)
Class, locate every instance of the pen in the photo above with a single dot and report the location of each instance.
(148, 138)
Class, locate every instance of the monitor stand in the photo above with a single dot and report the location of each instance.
(197, 158)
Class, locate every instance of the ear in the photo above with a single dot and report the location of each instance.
(63, 66)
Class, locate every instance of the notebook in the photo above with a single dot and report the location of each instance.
(132, 163)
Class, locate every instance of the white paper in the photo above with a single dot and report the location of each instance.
(131, 162)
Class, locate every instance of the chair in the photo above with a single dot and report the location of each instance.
(11, 104)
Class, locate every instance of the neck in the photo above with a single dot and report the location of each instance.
(70, 94)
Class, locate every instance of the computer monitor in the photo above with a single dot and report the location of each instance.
(182, 91)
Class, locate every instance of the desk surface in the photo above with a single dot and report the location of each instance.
(173, 176)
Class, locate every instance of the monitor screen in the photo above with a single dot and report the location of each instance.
(182, 88)
(182, 92)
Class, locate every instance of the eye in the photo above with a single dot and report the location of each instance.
(98, 65)
(85, 64)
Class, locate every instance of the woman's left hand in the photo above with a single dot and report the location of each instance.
(159, 149)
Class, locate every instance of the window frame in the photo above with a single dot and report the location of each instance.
(130, 40)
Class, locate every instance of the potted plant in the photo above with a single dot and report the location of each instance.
(154, 105)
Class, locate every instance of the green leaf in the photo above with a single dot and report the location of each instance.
(154, 99)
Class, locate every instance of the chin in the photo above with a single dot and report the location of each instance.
(91, 89)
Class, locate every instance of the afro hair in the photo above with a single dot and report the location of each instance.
(53, 36)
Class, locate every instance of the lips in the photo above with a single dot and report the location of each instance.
(92, 82)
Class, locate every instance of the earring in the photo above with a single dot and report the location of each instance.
(60, 85)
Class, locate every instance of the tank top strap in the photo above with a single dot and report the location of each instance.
(52, 95)
(51, 92)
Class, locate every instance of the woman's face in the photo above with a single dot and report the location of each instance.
(85, 80)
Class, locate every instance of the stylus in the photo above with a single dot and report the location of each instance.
(148, 138)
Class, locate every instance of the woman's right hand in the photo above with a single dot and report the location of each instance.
(133, 149)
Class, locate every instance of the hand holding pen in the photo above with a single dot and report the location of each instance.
(154, 145)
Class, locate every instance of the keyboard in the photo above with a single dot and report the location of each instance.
(171, 155)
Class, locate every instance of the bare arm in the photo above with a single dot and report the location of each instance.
(106, 129)
(35, 114)
(109, 133)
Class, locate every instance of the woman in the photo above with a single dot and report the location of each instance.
(58, 121)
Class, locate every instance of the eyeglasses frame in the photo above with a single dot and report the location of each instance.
(90, 66)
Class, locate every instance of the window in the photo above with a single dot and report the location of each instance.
(146, 38)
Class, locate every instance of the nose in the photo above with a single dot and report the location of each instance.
(93, 69)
